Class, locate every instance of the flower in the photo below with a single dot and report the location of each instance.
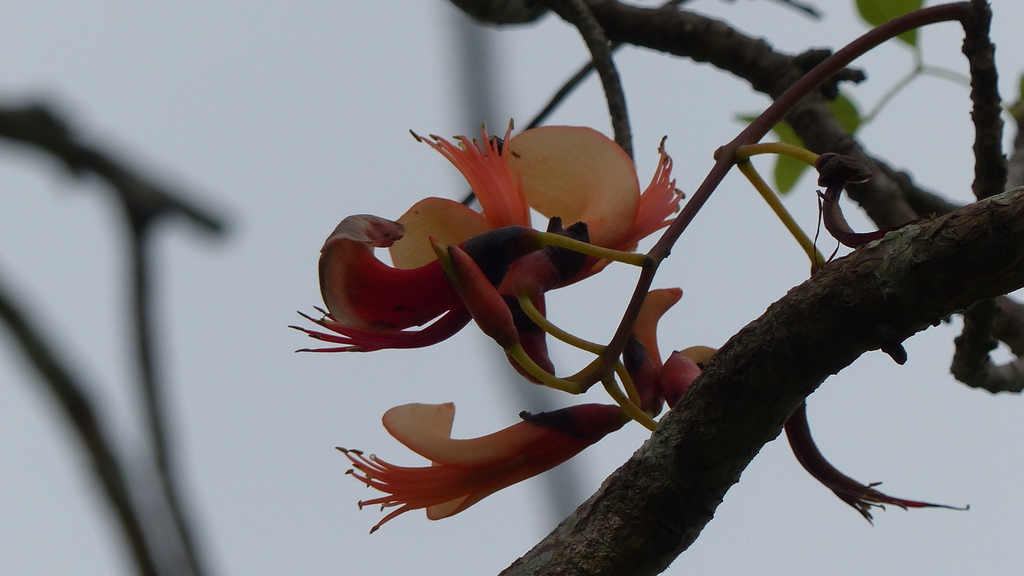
(463, 472)
(574, 173)
(569, 172)
(370, 305)
(658, 382)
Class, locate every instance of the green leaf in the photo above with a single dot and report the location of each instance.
(847, 114)
(1020, 88)
(878, 12)
(788, 170)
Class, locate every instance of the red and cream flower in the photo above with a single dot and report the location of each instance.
(463, 472)
(576, 174)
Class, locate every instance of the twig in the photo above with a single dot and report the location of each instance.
(78, 409)
(989, 162)
(807, 9)
(579, 15)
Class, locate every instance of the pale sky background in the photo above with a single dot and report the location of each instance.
(287, 116)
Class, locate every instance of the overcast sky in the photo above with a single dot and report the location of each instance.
(287, 116)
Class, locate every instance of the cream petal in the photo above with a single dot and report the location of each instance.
(699, 354)
(445, 220)
(578, 174)
(447, 509)
(426, 430)
(366, 229)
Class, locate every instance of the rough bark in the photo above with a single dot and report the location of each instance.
(655, 505)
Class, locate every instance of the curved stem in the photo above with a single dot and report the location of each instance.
(752, 134)
(634, 258)
(628, 407)
(802, 154)
(546, 378)
(946, 73)
(546, 325)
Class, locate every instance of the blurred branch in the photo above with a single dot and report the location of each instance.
(78, 409)
(652, 508)
(144, 202)
(39, 126)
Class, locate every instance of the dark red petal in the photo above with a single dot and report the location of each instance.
(367, 340)
(862, 498)
(362, 291)
(589, 422)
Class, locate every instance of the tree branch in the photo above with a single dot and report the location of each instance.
(78, 409)
(655, 506)
(144, 203)
(577, 13)
(987, 111)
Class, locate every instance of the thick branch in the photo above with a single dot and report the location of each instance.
(656, 505)
(987, 111)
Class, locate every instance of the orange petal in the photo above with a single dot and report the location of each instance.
(658, 204)
(578, 174)
(426, 430)
(447, 221)
(484, 164)
(646, 326)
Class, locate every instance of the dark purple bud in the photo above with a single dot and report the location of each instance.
(837, 170)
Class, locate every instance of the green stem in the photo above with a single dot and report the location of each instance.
(772, 199)
(947, 74)
(633, 258)
(531, 311)
(628, 407)
(802, 154)
(627, 383)
(546, 378)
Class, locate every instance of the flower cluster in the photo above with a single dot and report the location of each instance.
(452, 264)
